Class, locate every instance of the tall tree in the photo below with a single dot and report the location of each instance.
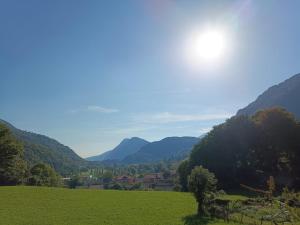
(12, 165)
(183, 172)
(227, 151)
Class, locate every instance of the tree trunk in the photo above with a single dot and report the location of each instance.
(200, 210)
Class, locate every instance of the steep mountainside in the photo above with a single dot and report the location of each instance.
(125, 148)
(285, 94)
(167, 148)
(40, 148)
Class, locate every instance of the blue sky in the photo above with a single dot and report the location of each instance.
(90, 73)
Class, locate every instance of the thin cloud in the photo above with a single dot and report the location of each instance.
(100, 109)
(94, 108)
(167, 117)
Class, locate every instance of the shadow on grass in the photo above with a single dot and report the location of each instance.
(196, 220)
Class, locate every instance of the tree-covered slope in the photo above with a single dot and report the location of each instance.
(125, 148)
(167, 148)
(285, 94)
(39, 148)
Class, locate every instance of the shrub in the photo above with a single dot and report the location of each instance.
(202, 184)
(43, 175)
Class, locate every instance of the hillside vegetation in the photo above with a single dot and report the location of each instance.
(248, 150)
(42, 149)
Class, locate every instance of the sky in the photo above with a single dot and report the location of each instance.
(90, 73)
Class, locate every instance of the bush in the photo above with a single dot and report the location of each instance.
(43, 175)
(202, 184)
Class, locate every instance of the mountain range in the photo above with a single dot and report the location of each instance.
(165, 149)
(137, 150)
(285, 95)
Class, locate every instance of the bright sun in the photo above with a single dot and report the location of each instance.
(207, 46)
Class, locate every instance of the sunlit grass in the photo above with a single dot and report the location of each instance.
(56, 206)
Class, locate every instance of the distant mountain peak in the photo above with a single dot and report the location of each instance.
(126, 147)
(165, 149)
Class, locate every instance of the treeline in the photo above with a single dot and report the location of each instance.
(13, 168)
(248, 150)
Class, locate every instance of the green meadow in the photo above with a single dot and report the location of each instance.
(23, 205)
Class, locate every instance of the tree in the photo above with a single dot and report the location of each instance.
(107, 177)
(183, 172)
(203, 185)
(74, 182)
(166, 174)
(271, 186)
(43, 175)
(278, 152)
(227, 151)
(248, 150)
(12, 165)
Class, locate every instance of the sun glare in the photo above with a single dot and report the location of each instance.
(207, 46)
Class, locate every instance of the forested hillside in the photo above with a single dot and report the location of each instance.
(39, 148)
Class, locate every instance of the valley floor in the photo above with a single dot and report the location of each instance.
(56, 206)
(23, 205)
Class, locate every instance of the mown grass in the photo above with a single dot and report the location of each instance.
(56, 206)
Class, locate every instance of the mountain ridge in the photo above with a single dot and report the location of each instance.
(126, 147)
(164, 149)
(285, 94)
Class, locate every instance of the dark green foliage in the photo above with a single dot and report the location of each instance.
(74, 182)
(43, 175)
(278, 152)
(39, 148)
(227, 151)
(202, 184)
(12, 166)
(249, 150)
(183, 171)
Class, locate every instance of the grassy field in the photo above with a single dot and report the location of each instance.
(56, 206)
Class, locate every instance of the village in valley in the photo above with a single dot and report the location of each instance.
(161, 181)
